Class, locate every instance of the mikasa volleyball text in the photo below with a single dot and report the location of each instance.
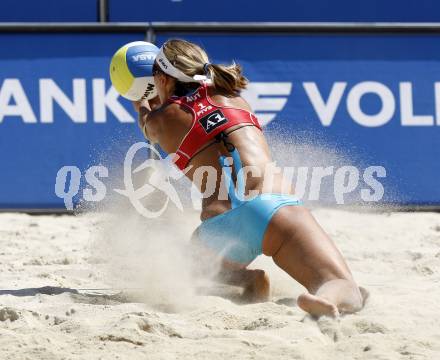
(141, 57)
(266, 98)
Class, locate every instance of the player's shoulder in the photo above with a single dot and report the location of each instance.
(170, 112)
(175, 106)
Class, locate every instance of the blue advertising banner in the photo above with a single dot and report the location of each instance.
(277, 10)
(57, 108)
(375, 99)
(48, 11)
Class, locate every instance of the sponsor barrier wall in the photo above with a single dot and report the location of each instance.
(277, 10)
(227, 10)
(48, 10)
(374, 98)
(56, 109)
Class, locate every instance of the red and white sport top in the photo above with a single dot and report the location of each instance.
(209, 120)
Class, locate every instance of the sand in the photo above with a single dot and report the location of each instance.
(50, 265)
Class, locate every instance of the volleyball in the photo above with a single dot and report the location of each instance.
(131, 70)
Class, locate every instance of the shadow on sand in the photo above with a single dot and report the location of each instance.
(87, 296)
(109, 297)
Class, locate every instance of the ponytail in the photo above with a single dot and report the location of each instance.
(192, 60)
(227, 79)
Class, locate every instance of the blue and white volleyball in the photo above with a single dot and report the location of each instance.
(131, 70)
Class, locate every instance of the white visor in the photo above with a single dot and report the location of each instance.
(171, 70)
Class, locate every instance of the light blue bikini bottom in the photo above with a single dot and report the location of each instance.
(237, 235)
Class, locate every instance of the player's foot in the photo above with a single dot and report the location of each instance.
(258, 288)
(317, 306)
(333, 298)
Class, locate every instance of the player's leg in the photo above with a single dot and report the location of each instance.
(255, 282)
(300, 247)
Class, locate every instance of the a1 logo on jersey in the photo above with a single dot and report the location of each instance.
(213, 120)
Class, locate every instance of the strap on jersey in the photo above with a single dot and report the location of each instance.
(222, 137)
(235, 194)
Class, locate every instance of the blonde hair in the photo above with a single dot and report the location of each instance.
(192, 60)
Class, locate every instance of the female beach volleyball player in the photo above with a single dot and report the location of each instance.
(200, 116)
